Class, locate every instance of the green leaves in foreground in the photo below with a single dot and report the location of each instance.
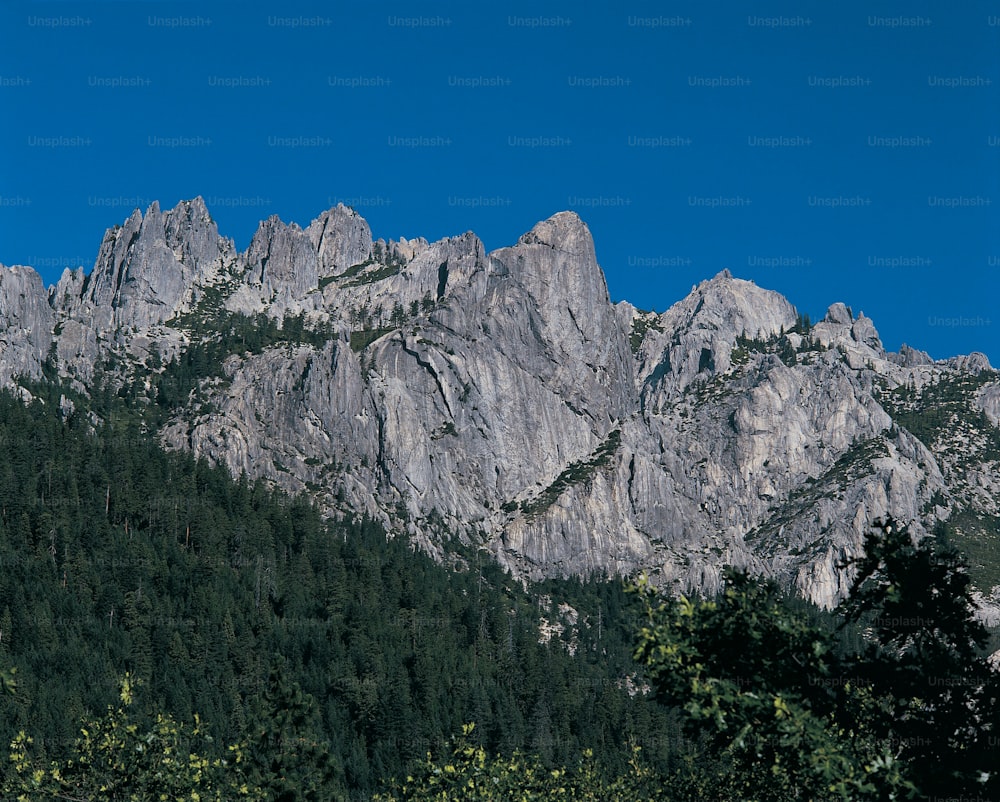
(938, 700)
(469, 775)
(913, 713)
(750, 676)
(118, 760)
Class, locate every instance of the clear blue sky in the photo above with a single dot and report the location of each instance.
(689, 136)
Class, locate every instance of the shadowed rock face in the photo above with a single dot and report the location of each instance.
(503, 399)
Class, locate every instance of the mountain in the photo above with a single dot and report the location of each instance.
(501, 399)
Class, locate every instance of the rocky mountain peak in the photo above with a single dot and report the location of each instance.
(839, 314)
(910, 357)
(146, 268)
(556, 263)
(564, 231)
(737, 306)
(863, 331)
(501, 398)
(857, 338)
(282, 266)
(341, 238)
(194, 208)
(704, 328)
(191, 233)
(975, 362)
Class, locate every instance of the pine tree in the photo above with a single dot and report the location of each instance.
(289, 759)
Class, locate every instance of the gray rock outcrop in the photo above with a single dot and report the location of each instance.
(26, 323)
(502, 399)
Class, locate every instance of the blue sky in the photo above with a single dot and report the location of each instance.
(833, 152)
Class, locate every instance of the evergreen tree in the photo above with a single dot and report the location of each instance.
(289, 758)
(933, 695)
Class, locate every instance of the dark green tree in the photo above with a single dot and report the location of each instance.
(288, 757)
(754, 683)
(913, 712)
(937, 697)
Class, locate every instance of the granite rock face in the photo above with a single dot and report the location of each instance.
(502, 399)
(26, 322)
(282, 263)
(341, 238)
(146, 269)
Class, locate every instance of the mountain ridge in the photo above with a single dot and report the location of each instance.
(503, 399)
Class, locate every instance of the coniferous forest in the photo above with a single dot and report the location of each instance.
(169, 631)
(120, 557)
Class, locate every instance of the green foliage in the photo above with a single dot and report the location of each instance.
(121, 759)
(641, 323)
(381, 265)
(937, 698)
(360, 340)
(445, 430)
(909, 712)
(934, 411)
(854, 464)
(803, 325)
(577, 472)
(780, 345)
(208, 307)
(978, 537)
(288, 758)
(50, 366)
(179, 382)
(8, 682)
(786, 352)
(470, 775)
(754, 345)
(117, 556)
(754, 680)
(371, 277)
(946, 417)
(740, 355)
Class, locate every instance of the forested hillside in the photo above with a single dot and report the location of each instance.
(224, 614)
(117, 556)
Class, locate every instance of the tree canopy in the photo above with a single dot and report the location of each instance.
(912, 712)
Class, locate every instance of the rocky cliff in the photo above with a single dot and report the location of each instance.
(503, 400)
